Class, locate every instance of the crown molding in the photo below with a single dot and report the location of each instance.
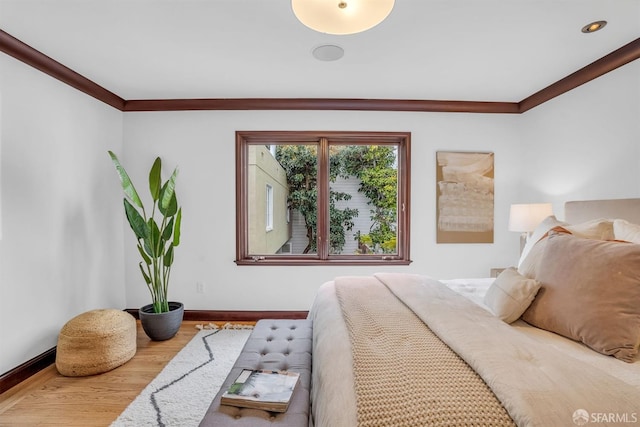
(321, 104)
(30, 56)
(619, 57)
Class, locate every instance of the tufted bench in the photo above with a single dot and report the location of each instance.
(274, 345)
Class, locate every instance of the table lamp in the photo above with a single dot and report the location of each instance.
(524, 218)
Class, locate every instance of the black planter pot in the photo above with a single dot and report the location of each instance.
(161, 326)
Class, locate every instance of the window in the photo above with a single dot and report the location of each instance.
(331, 197)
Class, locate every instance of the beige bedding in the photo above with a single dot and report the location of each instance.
(541, 381)
(405, 375)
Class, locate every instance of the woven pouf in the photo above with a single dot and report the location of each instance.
(95, 342)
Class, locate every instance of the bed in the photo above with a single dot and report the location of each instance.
(552, 341)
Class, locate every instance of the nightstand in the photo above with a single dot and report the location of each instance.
(496, 271)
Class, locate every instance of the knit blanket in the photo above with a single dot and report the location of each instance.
(536, 384)
(405, 375)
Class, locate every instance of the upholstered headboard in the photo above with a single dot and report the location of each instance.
(579, 211)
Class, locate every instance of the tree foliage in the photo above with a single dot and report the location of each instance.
(373, 165)
(300, 163)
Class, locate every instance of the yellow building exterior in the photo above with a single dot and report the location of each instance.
(269, 220)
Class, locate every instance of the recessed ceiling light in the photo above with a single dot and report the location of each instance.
(594, 26)
(328, 52)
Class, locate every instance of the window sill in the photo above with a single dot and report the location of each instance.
(315, 261)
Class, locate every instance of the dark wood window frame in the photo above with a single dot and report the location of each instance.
(246, 138)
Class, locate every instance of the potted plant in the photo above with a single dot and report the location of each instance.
(157, 234)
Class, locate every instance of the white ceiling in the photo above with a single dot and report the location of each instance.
(469, 50)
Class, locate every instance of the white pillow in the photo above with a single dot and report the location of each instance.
(598, 229)
(627, 231)
(510, 295)
(529, 266)
(543, 228)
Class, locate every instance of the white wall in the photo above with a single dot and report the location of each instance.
(203, 143)
(585, 144)
(582, 145)
(61, 247)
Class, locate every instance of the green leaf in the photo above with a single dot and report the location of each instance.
(168, 229)
(168, 194)
(172, 207)
(144, 274)
(148, 248)
(144, 256)
(152, 243)
(127, 185)
(168, 257)
(136, 221)
(176, 228)
(155, 182)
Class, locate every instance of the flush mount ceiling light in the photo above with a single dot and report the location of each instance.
(594, 26)
(341, 16)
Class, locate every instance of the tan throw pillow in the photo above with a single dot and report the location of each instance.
(529, 266)
(510, 295)
(600, 229)
(541, 230)
(590, 293)
(624, 230)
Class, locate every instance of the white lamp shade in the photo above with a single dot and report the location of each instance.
(341, 16)
(525, 218)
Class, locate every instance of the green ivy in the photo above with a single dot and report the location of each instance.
(373, 165)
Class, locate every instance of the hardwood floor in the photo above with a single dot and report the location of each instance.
(48, 398)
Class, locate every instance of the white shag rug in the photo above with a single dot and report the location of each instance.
(182, 392)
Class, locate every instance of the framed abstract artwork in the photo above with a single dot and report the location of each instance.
(464, 205)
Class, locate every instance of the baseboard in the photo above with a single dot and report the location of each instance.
(234, 316)
(38, 363)
(28, 368)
